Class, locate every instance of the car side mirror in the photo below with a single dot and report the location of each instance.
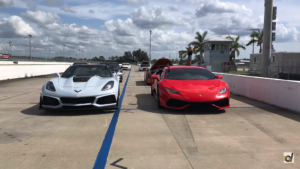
(119, 74)
(154, 77)
(219, 76)
(57, 74)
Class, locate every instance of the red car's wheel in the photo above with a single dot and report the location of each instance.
(152, 94)
(158, 99)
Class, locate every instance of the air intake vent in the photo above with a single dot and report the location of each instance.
(81, 79)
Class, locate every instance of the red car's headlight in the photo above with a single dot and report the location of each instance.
(224, 90)
(172, 91)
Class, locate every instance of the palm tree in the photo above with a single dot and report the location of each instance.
(235, 46)
(183, 54)
(256, 37)
(198, 44)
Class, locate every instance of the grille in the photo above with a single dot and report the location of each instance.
(50, 101)
(195, 105)
(80, 100)
(78, 107)
(107, 100)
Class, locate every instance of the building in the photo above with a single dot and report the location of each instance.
(280, 63)
(216, 52)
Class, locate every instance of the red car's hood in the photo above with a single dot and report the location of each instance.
(161, 63)
(194, 86)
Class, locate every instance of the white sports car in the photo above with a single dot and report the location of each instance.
(126, 66)
(82, 86)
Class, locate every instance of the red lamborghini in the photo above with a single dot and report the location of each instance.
(179, 87)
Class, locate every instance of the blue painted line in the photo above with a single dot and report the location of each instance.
(104, 150)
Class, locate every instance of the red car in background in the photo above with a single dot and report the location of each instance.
(157, 66)
(179, 87)
(4, 56)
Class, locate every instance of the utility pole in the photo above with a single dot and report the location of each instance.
(267, 38)
(176, 54)
(30, 45)
(150, 45)
(10, 48)
(64, 53)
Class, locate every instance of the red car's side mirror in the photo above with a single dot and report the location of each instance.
(154, 77)
(219, 76)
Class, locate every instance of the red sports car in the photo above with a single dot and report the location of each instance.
(179, 87)
(159, 64)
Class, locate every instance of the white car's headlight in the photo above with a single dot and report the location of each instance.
(50, 86)
(108, 86)
(172, 91)
(224, 90)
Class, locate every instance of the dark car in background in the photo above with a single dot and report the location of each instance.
(115, 68)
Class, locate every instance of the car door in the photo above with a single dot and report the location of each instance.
(156, 82)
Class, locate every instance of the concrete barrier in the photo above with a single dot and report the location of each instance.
(21, 71)
(33, 63)
(277, 92)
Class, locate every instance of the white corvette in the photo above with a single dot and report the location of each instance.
(126, 66)
(82, 86)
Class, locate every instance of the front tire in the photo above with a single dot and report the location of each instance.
(151, 90)
(158, 99)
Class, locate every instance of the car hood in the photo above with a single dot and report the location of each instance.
(81, 82)
(194, 86)
(161, 63)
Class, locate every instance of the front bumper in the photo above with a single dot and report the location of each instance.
(193, 101)
(106, 101)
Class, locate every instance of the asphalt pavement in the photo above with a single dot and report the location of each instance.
(248, 135)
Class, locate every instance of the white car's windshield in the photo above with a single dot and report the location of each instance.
(87, 70)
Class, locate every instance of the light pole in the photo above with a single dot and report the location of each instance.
(10, 47)
(176, 53)
(150, 45)
(30, 45)
(64, 52)
(267, 38)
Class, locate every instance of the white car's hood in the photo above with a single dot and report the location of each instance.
(94, 81)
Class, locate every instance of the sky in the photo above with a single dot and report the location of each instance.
(110, 27)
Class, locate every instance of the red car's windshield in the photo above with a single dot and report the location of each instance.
(189, 74)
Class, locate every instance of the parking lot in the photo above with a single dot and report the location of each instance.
(248, 135)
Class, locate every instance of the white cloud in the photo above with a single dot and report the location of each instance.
(135, 2)
(41, 18)
(6, 2)
(174, 8)
(217, 7)
(154, 17)
(53, 2)
(91, 11)
(286, 34)
(67, 8)
(14, 26)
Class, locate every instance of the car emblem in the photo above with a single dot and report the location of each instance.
(200, 95)
(77, 91)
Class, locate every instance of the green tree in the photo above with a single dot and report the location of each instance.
(198, 44)
(235, 46)
(128, 56)
(101, 58)
(256, 37)
(140, 55)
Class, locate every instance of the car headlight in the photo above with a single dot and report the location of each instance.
(50, 86)
(172, 91)
(224, 90)
(108, 86)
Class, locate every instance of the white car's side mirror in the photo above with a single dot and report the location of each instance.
(119, 74)
(57, 74)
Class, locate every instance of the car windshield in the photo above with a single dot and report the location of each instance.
(125, 63)
(189, 74)
(85, 70)
(114, 66)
